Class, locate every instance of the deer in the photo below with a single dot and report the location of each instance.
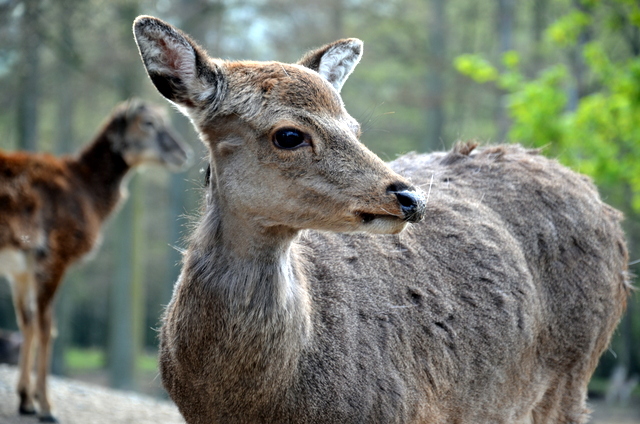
(51, 212)
(323, 285)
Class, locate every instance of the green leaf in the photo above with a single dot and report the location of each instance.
(511, 59)
(565, 31)
(475, 67)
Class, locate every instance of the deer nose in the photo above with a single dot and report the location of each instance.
(412, 202)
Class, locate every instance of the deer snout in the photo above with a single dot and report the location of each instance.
(412, 202)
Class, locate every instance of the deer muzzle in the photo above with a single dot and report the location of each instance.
(412, 203)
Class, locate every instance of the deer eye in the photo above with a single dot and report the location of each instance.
(289, 138)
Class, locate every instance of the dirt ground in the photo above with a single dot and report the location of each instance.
(605, 414)
(82, 403)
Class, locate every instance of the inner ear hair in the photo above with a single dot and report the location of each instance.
(178, 67)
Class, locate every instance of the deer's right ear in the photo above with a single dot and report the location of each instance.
(181, 71)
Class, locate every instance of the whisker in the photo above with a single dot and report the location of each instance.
(429, 192)
(284, 70)
(393, 214)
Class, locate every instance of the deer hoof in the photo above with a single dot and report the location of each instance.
(23, 410)
(48, 419)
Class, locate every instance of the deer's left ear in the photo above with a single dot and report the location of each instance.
(335, 61)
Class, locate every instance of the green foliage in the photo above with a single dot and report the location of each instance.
(531, 104)
(476, 67)
(565, 31)
(601, 137)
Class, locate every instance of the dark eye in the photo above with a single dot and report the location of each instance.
(289, 138)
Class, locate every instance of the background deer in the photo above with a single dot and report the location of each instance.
(51, 211)
(494, 308)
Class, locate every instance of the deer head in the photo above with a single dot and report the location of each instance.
(284, 151)
(142, 136)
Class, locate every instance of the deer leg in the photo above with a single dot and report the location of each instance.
(45, 335)
(562, 403)
(24, 301)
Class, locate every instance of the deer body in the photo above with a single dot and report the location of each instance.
(51, 212)
(494, 308)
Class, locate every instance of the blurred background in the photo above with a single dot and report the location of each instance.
(563, 75)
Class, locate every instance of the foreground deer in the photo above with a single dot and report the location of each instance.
(51, 210)
(493, 309)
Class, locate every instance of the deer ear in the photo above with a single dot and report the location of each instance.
(335, 61)
(181, 71)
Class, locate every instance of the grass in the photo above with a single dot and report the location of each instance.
(147, 362)
(83, 360)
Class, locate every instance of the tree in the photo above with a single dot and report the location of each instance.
(29, 76)
(127, 301)
(435, 81)
(504, 25)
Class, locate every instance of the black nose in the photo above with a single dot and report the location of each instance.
(412, 203)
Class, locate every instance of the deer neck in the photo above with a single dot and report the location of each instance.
(254, 267)
(249, 281)
(103, 172)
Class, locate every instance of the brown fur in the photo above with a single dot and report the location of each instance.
(494, 309)
(51, 211)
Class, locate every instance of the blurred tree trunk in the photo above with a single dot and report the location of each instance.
(66, 64)
(65, 109)
(337, 19)
(435, 80)
(504, 18)
(579, 89)
(126, 313)
(461, 105)
(126, 299)
(138, 265)
(203, 20)
(63, 310)
(537, 30)
(29, 76)
(178, 201)
(630, 355)
(630, 31)
(121, 345)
